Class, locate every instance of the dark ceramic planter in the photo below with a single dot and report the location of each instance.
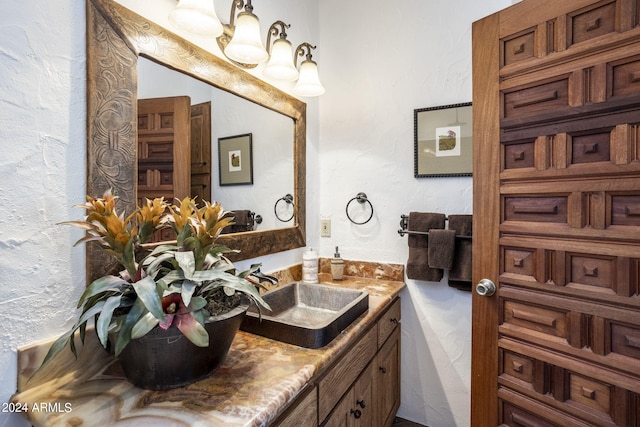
(162, 360)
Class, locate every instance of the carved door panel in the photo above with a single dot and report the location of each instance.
(556, 110)
(164, 156)
(201, 151)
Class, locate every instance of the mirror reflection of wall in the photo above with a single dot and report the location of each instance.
(272, 140)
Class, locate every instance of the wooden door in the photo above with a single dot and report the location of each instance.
(164, 156)
(556, 105)
(201, 151)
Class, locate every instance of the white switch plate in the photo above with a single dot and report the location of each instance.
(325, 228)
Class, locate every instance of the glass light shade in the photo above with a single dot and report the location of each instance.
(246, 45)
(309, 82)
(280, 65)
(197, 17)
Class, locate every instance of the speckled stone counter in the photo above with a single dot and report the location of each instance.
(256, 382)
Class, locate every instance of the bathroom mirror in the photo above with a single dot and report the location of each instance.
(272, 133)
(116, 39)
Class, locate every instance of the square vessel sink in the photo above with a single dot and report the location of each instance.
(306, 315)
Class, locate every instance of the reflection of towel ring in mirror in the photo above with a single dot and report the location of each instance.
(288, 199)
(360, 198)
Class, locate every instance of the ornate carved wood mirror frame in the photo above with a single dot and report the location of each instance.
(116, 37)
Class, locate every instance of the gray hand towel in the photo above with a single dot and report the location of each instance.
(460, 272)
(441, 248)
(418, 262)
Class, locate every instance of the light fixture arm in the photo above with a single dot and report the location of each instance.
(300, 52)
(238, 4)
(273, 31)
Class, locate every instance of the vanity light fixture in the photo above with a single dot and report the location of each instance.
(280, 65)
(197, 17)
(241, 41)
(308, 83)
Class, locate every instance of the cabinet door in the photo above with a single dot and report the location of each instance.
(340, 417)
(357, 407)
(345, 373)
(388, 379)
(303, 414)
(363, 405)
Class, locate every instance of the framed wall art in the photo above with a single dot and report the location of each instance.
(443, 138)
(236, 160)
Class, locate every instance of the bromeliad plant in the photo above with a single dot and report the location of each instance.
(175, 284)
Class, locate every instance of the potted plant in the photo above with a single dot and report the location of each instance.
(171, 314)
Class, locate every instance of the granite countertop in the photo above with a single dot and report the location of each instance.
(256, 382)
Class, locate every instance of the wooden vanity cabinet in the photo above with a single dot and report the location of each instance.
(303, 413)
(362, 388)
(358, 407)
(373, 398)
(388, 380)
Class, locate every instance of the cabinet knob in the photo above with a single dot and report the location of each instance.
(383, 369)
(394, 320)
(361, 403)
(356, 413)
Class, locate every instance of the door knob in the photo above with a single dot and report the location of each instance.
(485, 288)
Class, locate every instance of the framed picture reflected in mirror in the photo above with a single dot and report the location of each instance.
(236, 160)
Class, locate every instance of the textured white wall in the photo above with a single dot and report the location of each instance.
(42, 165)
(378, 61)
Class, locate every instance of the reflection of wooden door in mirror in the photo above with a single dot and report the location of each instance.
(164, 157)
(201, 151)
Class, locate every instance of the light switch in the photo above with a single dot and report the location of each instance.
(325, 228)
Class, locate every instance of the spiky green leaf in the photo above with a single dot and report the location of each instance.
(124, 335)
(103, 284)
(171, 277)
(192, 329)
(104, 320)
(144, 325)
(200, 315)
(188, 288)
(57, 346)
(187, 263)
(147, 292)
(197, 303)
(154, 263)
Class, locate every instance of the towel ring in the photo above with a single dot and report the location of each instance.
(288, 199)
(362, 199)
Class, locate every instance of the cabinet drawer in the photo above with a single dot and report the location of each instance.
(344, 373)
(302, 414)
(388, 322)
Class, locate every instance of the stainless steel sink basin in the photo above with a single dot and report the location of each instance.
(306, 315)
